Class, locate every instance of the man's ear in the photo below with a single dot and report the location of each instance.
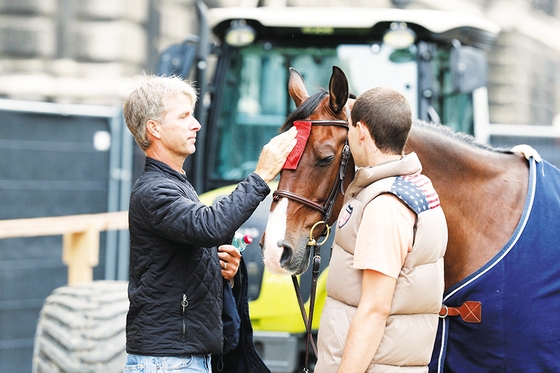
(362, 130)
(152, 129)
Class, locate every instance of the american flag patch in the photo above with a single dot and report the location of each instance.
(345, 216)
(416, 191)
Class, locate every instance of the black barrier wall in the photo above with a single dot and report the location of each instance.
(55, 160)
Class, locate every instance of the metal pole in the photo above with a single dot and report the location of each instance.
(113, 197)
(125, 188)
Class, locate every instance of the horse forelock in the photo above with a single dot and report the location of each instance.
(305, 110)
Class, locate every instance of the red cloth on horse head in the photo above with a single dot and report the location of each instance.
(304, 129)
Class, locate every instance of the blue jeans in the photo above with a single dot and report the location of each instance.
(168, 364)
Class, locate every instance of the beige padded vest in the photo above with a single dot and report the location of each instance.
(407, 343)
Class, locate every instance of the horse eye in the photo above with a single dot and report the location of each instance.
(325, 161)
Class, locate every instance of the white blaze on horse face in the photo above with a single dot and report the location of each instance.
(275, 232)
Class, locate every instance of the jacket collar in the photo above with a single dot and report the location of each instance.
(408, 165)
(153, 164)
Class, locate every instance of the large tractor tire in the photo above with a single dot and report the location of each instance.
(81, 329)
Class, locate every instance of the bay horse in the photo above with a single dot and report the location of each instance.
(501, 210)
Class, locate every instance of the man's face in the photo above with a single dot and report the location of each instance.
(353, 143)
(179, 127)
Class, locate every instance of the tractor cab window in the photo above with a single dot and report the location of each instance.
(455, 109)
(255, 102)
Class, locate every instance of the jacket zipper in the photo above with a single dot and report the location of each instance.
(184, 304)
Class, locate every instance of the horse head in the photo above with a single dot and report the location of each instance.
(309, 195)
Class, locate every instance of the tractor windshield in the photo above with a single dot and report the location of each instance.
(254, 102)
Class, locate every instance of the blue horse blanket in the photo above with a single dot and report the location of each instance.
(520, 294)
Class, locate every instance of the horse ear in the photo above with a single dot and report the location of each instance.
(338, 89)
(296, 87)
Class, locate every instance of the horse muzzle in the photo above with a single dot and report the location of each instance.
(283, 259)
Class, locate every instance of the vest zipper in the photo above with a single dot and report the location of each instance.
(184, 304)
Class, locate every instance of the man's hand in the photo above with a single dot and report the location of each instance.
(229, 261)
(274, 154)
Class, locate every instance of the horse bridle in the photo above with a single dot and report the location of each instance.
(326, 211)
(326, 208)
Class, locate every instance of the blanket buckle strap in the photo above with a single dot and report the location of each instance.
(470, 311)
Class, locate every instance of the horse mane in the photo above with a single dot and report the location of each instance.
(458, 136)
(305, 109)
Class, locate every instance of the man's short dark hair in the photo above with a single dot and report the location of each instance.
(387, 115)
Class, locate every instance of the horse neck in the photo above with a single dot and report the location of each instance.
(452, 159)
(482, 193)
(460, 170)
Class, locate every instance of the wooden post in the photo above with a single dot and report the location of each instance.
(80, 252)
(80, 237)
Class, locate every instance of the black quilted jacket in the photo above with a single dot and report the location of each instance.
(175, 288)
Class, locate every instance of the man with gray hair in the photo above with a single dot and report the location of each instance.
(178, 255)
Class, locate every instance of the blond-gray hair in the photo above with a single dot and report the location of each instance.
(147, 101)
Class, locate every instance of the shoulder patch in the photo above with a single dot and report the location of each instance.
(417, 192)
(345, 216)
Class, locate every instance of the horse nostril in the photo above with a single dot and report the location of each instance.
(287, 253)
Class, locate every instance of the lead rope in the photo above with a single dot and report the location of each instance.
(308, 320)
(302, 310)
(315, 275)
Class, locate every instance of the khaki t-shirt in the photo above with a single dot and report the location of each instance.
(385, 235)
